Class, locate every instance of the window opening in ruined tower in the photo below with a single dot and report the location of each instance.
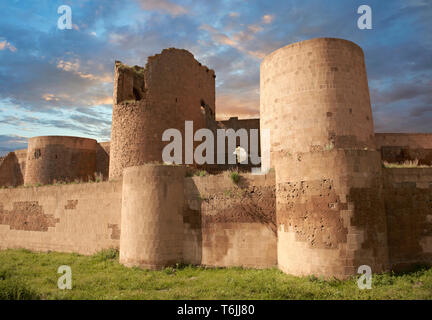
(137, 94)
(37, 153)
(203, 107)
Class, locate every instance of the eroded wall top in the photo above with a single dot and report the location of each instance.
(172, 88)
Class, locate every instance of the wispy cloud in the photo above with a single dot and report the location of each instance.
(9, 143)
(7, 45)
(164, 6)
(268, 18)
(58, 82)
(241, 38)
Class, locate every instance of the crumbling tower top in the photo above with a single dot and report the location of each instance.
(172, 88)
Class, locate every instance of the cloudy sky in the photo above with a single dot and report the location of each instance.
(59, 82)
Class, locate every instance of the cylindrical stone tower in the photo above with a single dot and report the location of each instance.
(172, 88)
(59, 158)
(151, 219)
(330, 213)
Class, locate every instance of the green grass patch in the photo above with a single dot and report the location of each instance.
(201, 173)
(235, 177)
(29, 275)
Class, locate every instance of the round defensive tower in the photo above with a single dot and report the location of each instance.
(59, 158)
(330, 213)
(151, 218)
(172, 88)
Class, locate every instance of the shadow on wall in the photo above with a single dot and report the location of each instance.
(395, 154)
(10, 171)
(102, 159)
(230, 222)
(192, 221)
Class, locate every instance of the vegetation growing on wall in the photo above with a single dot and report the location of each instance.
(235, 177)
(405, 164)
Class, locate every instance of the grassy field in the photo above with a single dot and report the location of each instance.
(28, 275)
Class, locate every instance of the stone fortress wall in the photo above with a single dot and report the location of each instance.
(326, 207)
(223, 224)
(399, 147)
(318, 110)
(394, 148)
(214, 222)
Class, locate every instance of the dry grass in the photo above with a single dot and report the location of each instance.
(405, 164)
(95, 178)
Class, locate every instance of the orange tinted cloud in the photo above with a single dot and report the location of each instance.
(74, 67)
(7, 45)
(163, 5)
(268, 18)
(228, 105)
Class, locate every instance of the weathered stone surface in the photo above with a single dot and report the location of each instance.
(175, 88)
(59, 158)
(326, 208)
(315, 101)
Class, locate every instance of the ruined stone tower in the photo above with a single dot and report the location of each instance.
(172, 88)
(330, 213)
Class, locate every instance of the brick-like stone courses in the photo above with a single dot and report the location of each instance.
(82, 218)
(412, 140)
(314, 96)
(326, 212)
(230, 209)
(176, 86)
(336, 222)
(408, 201)
(228, 224)
(400, 147)
(237, 205)
(59, 158)
(315, 101)
(409, 220)
(312, 210)
(152, 216)
(28, 216)
(71, 204)
(12, 173)
(115, 233)
(369, 235)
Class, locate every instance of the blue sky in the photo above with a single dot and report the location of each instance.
(59, 82)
